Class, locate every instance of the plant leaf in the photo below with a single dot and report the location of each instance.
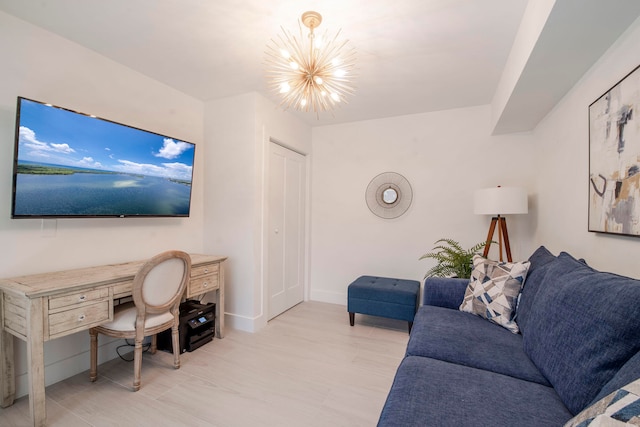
(451, 258)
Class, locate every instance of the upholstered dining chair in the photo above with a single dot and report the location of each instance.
(158, 287)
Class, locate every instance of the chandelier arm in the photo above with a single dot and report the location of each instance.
(336, 48)
(298, 52)
(334, 51)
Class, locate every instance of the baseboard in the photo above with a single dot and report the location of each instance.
(244, 323)
(329, 297)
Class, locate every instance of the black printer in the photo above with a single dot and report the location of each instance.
(197, 327)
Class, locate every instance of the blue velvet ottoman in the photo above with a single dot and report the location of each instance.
(383, 296)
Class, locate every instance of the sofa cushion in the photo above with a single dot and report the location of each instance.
(462, 338)
(584, 326)
(432, 392)
(619, 408)
(629, 372)
(493, 290)
(540, 261)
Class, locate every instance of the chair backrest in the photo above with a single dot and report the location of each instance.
(160, 283)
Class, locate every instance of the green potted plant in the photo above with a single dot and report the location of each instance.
(452, 260)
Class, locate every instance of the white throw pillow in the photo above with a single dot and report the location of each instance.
(493, 290)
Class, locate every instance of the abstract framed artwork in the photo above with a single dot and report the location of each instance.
(614, 159)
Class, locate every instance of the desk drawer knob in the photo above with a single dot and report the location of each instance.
(206, 270)
(82, 297)
(205, 284)
(81, 318)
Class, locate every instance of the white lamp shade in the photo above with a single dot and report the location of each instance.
(500, 201)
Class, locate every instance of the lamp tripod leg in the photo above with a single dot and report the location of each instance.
(503, 228)
(492, 229)
(500, 219)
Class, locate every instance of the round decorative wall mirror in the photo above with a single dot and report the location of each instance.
(389, 195)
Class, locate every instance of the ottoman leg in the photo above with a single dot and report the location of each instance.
(351, 318)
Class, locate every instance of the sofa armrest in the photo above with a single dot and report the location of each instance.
(444, 292)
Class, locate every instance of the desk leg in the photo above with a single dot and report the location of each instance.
(7, 375)
(220, 305)
(35, 361)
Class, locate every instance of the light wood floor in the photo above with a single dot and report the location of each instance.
(308, 367)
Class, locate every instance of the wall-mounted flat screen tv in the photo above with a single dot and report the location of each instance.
(71, 165)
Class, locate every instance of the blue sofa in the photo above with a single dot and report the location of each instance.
(579, 341)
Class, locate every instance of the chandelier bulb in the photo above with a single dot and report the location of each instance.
(285, 53)
(318, 80)
(285, 87)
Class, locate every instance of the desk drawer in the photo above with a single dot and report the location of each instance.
(202, 284)
(123, 289)
(80, 318)
(78, 298)
(206, 269)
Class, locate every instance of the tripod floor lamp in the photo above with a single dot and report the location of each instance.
(499, 201)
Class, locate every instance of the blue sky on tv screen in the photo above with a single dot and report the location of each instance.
(61, 137)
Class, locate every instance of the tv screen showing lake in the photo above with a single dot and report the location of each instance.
(70, 164)
(99, 194)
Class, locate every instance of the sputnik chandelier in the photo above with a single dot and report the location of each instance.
(310, 73)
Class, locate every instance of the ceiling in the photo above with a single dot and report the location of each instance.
(413, 55)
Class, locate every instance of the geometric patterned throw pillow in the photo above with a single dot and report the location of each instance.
(620, 408)
(493, 290)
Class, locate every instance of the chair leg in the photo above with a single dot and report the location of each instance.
(175, 341)
(137, 363)
(154, 344)
(93, 372)
(352, 317)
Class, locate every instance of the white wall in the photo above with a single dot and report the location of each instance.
(238, 130)
(562, 141)
(229, 198)
(445, 156)
(42, 66)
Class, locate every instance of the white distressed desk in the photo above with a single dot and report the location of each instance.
(41, 307)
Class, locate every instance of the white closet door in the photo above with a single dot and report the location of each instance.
(286, 222)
